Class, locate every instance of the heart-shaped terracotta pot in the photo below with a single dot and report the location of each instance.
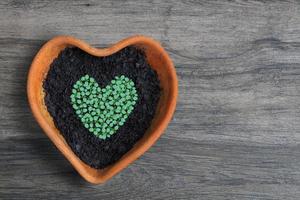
(157, 58)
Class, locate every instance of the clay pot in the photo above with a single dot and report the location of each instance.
(157, 58)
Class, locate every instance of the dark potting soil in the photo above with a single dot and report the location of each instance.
(73, 63)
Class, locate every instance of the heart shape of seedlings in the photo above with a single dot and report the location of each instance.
(103, 110)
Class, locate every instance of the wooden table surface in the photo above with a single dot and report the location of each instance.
(235, 133)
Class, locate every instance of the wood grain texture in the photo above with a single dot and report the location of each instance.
(235, 133)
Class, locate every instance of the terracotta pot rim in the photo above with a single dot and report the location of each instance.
(88, 173)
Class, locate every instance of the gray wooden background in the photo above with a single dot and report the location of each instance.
(235, 133)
